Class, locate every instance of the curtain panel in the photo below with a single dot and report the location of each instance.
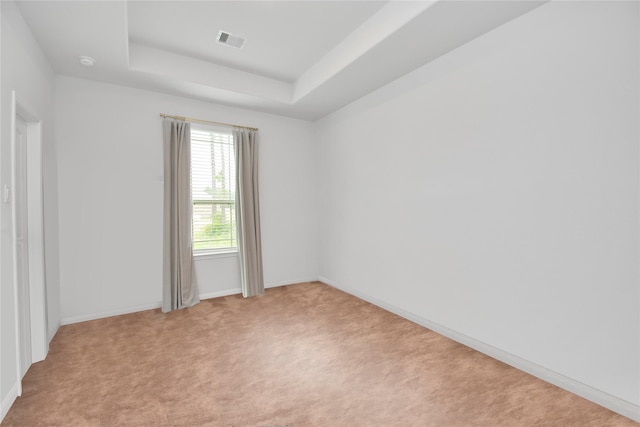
(179, 285)
(248, 212)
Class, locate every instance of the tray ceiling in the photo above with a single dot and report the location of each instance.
(301, 59)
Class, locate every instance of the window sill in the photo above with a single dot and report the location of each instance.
(232, 253)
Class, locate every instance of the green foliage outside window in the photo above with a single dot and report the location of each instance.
(220, 232)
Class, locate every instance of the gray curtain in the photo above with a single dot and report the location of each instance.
(248, 212)
(179, 284)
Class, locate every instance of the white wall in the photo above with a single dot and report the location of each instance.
(110, 194)
(495, 192)
(26, 70)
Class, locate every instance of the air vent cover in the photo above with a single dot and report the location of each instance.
(228, 39)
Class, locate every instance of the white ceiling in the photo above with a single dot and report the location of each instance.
(284, 38)
(302, 58)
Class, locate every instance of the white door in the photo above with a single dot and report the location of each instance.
(22, 245)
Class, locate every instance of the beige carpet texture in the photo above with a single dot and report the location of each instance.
(300, 355)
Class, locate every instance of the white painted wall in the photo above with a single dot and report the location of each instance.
(26, 70)
(495, 192)
(110, 194)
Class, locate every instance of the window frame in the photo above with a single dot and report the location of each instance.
(229, 251)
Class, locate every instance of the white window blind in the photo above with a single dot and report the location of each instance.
(213, 188)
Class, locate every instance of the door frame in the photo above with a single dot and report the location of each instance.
(35, 226)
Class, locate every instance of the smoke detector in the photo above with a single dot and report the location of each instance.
(228, 39)
(87, 61)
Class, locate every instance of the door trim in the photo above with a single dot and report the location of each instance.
(35, 225)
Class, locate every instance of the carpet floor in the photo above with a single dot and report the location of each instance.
(300, 355)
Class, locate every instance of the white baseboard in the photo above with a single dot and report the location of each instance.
(236, 291)
(53, 332)
(109, 313)
(219, 294)
(143, 307)
(290, 282)
(8, 400)
(599, 397)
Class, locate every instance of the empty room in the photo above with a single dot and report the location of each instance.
(320, 213)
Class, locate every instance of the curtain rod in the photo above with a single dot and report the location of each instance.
(189, 119)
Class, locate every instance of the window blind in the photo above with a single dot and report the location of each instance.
(213, 172)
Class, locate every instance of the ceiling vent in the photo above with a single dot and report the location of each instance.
(230, 40)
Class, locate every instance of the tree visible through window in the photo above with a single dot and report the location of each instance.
(213, 189)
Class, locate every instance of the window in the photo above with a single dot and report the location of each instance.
(213, 187)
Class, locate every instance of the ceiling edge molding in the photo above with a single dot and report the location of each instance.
(186, 69)
(384, 23)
